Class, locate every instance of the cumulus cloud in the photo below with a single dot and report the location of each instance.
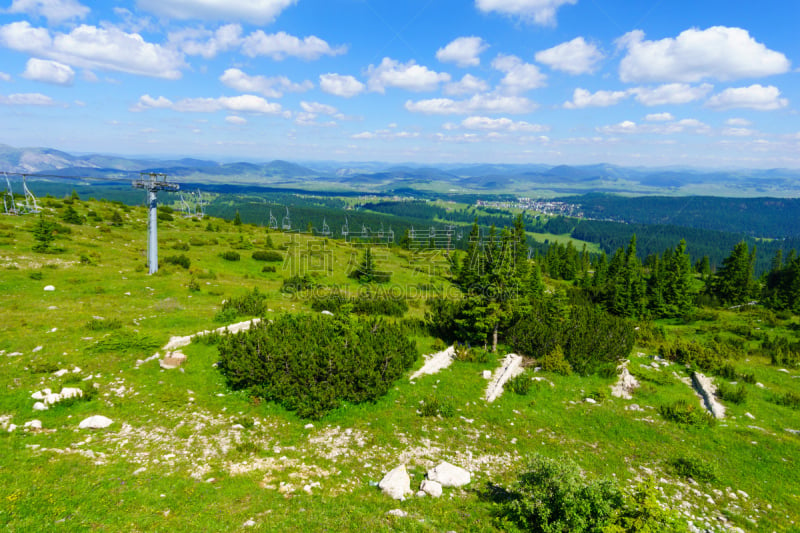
(339, 85)
(464, 52)
(251, 11)
(26, 99)
(719, 52)
(55, 11)
(385, 135)
(573, 57)
(671, 93)
(541, 12)
(5, 77)
(500, 124)
(48, 72)
(479, 103)
(318, 108)
(519, 76)
(755, 97)
(205, 43)
(659, 117)
(739, 122)
(469, 84)
(272, 87)
(245, 103)
(95, 48)
(236, 120)
(739, 132)
(281, 45)
(689, 125)
(582, 98)
(408, 76)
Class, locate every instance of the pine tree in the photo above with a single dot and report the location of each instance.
(237, 220)
(733, 283)
(116, 219)
(43, 233)
(71, 216)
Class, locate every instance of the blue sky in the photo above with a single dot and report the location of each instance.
(656, 82)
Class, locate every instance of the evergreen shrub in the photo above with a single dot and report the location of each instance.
(311, 364)
(268, 255)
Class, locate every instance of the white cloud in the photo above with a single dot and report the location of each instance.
(236, 120)
(318, 109)
(469, 84)
(408, 76)
(520, 76)
(245, 103)
(55, 11)
(500, 124)
(582, 98)
(689, 125)
(541, 12)
(755, 97)
(26, 99)
(719, 52)
(5, 77)
(281, 45)
(339, 85)
(92, 47)
(205, 43)
(739, 132)
(363, 135)
(270, 87)
(250, 11)
(740, 122)
(573, 57)
(464, 52)
(48, 72)
(671, 93)
(480, 103)
(659, 117)
(385, 135)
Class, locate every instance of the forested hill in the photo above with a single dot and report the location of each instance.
(773, 218)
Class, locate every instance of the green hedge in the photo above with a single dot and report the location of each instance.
(311, 364)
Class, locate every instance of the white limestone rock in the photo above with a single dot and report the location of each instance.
(431, 488)
(706, 389)
(70, 392)
(49, 288)
(326, 312)
(95, 422)
(396, 483)
(33, 424)
(398, 513)
(625, 385)
(449, 475)
(40, 406)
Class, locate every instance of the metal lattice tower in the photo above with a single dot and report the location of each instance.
(153, 182)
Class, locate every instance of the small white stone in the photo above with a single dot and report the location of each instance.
(38, 348)
(396, 483)
(40, 406)
(432, 488)
(11, 428)
(748, 415)
(49, 288)
(309, 426)
(487, 374)
(95, 422)
(398, 512)
(449, 475)
(249, 523)
(590, 400)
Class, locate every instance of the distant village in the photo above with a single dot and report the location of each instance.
(546, 207)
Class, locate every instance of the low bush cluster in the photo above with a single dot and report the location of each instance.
(690, 414)
(311, 364)
(181, 260)
(552, 496)
(434, 405)
(368, 303)
(788, 399)
(230, 255)
(251, 304)
(297, 284)
(693, 467)
(268, 255)
(732, 393)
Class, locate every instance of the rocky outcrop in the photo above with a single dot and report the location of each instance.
(396, 484)
(449, 475)
(510, 367)
(707, 391)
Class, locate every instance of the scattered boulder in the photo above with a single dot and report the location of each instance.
(40, 406)
(431, 488)
(449, 475)
(396, 483)
(707, 390)
(33, 424)
(509, 368)
(625, 385)
(435, 362)
(328, 313)
(590, 400)
(95, 422)
(172, 360)
(49, 288)
(11, 428)
(398, 513)
(487, 374)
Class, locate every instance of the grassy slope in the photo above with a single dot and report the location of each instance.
(178, 425)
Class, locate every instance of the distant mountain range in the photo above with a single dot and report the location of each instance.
(523, 179)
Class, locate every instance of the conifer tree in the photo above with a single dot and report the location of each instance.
(733, 283)
(237, 220)
(43, 233)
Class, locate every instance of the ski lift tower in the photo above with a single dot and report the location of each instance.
(153, 182)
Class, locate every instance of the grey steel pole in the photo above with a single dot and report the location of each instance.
(152, 232)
